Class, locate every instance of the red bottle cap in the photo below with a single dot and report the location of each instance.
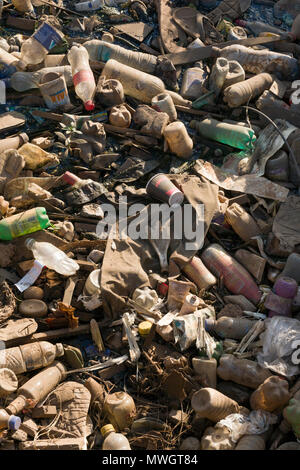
(89, 105)
(70, 178)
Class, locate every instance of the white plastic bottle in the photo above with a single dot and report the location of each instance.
(7, 421)
(23, 81)
(35, 49)
(113, 440)
(52, 257)
(83, 77)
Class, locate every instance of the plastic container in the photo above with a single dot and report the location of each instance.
(213, 405)
(83, 77)
(236, 33)
(161, 188)
(30, 356)
(236, 136)
(163, 103)
(218, 75)
(10, 422)
(241, 93)
(137, 84)
(251, 442)
(13, 142)
(35, 49)
(270, 395)
(206, 370)
(236, 74)
(242, 222)
(178, 140)
(80, 191)
(8, 382)
(48, 255)
(23, 81)
(228, 327)
(113, 440)
(120, 116)
(120, 409)
(280, 300)
(257, 27)
(24, 6)
(103, 51)
(38, 387)
(236, 279)
(109, 92)
(9, 64)
(198, 273)
(242, 371)
(261, 60)
(24, 223)
(193, 81)
(92, 284)
(54, 90)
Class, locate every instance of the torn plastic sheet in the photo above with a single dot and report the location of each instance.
(249, 184)
(190, 329)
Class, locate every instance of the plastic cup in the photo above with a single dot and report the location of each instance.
(92, 284)
(161, 188)
(54, 90)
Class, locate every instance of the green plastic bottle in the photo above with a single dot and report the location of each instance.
(24, 223)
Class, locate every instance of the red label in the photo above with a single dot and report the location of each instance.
(83, 76)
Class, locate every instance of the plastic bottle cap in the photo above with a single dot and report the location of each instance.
(14, 422)
(59, 350)
(145, 327)
(70, 178)
(107, 428)
(29, 243)
(89, 105)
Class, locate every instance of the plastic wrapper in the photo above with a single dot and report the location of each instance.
(257, 422)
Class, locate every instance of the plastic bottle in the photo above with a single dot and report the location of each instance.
(270, 395)
(120, 409)
(24, 6)
(206, 369)
(38, 387)
(83, 77)
(81, 191)
(218, 75)
(242, 371)
(193, 81)
(236, 136)
(120, 116)
(9, 64)
(236, 279)
(13, 142)
(163, 103)
(103, 51)
(89, 6)
(227, 327)
(257, 27)
(262, 60)
(280, 300)
(236, 74)
(10, 422)
(242, 222)
(30, 356)
(52, 257)
(35, 49)
(198, 273)
(213, 405)
(178, 140)
(138, 84)
(240, 93)
(23, 81)
(24, 223)
(292, 267)
(113, 440)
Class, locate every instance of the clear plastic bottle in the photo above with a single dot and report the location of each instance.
(113, 440)
(23, 81)
(52, 257)
(9, 421)
(30, 356)
(35, 49)
(83, 77)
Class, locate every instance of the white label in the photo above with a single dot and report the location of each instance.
(30, 277)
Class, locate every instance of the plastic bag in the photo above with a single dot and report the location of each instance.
(281, 340)
(257, 422)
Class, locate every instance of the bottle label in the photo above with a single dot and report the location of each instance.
(29, 223)
(47, 36)
(30, 277)
(83, 76)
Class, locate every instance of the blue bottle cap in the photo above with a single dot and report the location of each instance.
(14, 422)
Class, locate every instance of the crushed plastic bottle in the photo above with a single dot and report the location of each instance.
(83, 77)
(23, 81)
(48, 255)
(35, 49)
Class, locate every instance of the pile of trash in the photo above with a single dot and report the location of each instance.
(150, 225)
